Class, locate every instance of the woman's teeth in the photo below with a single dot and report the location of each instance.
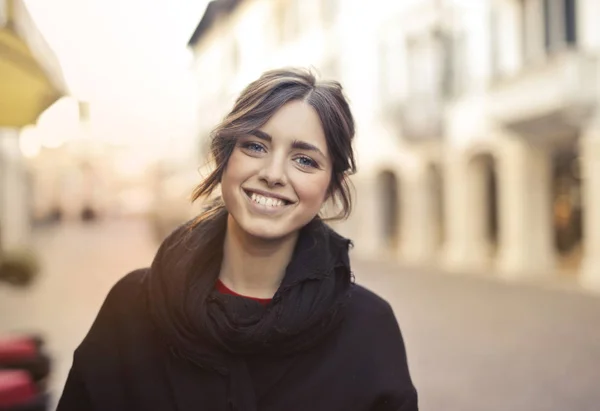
(266, 201)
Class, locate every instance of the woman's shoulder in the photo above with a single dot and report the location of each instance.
(123, 306)
(371, 341)
(127, 290)
(370, 316)
(368, 304)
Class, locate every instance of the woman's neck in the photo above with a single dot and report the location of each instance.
(252, 266)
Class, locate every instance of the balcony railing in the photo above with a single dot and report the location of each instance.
(561, 92)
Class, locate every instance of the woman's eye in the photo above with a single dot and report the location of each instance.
(306, 162)
(252, 146)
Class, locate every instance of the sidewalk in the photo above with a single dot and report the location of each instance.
(80, 264)
(476, 343)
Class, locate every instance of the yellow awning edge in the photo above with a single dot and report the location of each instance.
(31, 77)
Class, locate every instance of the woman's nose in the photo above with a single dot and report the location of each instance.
(273, 172)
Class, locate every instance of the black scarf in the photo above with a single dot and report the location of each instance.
(215, 330)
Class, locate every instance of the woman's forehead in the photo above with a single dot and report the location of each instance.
(296, 121)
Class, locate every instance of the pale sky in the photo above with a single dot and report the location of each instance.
(129, 59)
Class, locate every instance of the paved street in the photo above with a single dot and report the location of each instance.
(80, 264)
(474, 344)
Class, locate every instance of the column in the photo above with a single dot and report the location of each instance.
(417, 225)
(525, 204)
(15, 202)
(464, 214)
(590, 167)
(365, 220)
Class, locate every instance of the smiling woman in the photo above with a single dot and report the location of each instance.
(286, 161)
(252, 305)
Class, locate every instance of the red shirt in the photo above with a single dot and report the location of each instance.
(222, 288)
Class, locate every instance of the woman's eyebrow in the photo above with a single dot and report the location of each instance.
(303, 145)
(297, 144)
(262, 135)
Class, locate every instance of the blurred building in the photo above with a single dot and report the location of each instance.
(30, 81)
(79, 174)
(68, 165)
(478, 135)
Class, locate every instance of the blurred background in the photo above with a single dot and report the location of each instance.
(477, 207)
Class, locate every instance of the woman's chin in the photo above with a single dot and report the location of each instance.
(262, 232)
(263, 228)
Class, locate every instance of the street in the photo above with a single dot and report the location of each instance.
(80, 264)
(474, 344)
(477, 344)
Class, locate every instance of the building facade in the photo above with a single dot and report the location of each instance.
(30, 81)
(77, 175)
(478, 124)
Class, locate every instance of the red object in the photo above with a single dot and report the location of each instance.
(222, 288)
(17, 349)
(16, 388)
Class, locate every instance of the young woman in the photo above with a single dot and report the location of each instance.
(252, 306)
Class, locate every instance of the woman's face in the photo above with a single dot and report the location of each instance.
(277, 177)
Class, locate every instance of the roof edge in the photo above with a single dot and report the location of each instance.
(213, 10)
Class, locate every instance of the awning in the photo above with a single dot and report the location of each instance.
(30, 76)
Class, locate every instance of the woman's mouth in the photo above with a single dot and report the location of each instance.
(265, 200)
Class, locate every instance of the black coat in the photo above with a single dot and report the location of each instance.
(123, 364)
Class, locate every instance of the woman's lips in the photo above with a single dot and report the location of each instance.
(264, 195)
(265, 205)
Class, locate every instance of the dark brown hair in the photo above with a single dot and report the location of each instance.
(261, 99)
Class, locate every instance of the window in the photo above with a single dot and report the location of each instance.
(548, 26)
(452, 63)
(570, 11)
(559, 23)
(435, 64)
(422, 73)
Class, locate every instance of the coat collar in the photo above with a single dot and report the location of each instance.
(318, 252)
(215, 331)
